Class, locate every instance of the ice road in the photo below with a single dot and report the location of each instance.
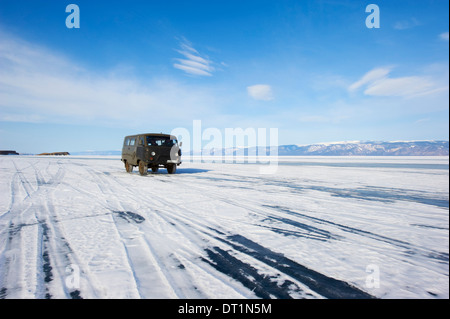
(335, 227)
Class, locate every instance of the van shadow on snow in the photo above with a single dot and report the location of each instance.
(180, 171)
(191, 170)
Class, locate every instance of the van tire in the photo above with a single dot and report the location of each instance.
(143, 168)
(171, 169)
(128, 167)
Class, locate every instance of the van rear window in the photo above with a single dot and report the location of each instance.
(130, 141)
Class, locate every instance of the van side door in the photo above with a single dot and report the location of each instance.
(132, 150)
(140, 148)
(126, 149)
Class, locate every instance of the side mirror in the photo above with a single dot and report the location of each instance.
(181, 144)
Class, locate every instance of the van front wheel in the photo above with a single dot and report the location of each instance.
(143, 168)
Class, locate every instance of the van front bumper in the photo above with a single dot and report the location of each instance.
(173, 162)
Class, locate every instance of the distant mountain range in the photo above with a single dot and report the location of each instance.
(356, 148)
(370, 148)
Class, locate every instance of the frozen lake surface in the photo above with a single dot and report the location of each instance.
(321, 227)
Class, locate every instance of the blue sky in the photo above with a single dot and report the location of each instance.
(312, 69)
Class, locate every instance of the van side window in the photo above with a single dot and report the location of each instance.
(132, 141)
(127, 142)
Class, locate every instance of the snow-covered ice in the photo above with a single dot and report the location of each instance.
(321, 227)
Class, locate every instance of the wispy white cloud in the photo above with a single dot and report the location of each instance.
(405, 86)
(262, 92)
(407, 24)
(39, 85)
(422, 120)
(444, 36)
(378, 83)
(193, 63)
(370, 77)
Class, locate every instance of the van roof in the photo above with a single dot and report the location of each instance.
(152, 134)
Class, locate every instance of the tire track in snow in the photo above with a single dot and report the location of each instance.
(57, 254)
(195, 231)
(275, 275)
(36, 250)
(12, 259)
(412, 254)
(152, 278)
(208, 242)
(175, 271)
(297, 279)
(367, 193)
(10, 234)
(272, 212)
(211, 241)
(12, 194)
(407, 247)
(325, 286)
(54, 250)
(287, 225)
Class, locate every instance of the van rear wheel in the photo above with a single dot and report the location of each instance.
(171, 169)
(128, 167)
(143, 168)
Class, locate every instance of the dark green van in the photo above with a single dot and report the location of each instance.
(151, 151)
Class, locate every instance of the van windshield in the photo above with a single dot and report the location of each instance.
(160, 141)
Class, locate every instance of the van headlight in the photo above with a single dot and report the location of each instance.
(153, 153)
